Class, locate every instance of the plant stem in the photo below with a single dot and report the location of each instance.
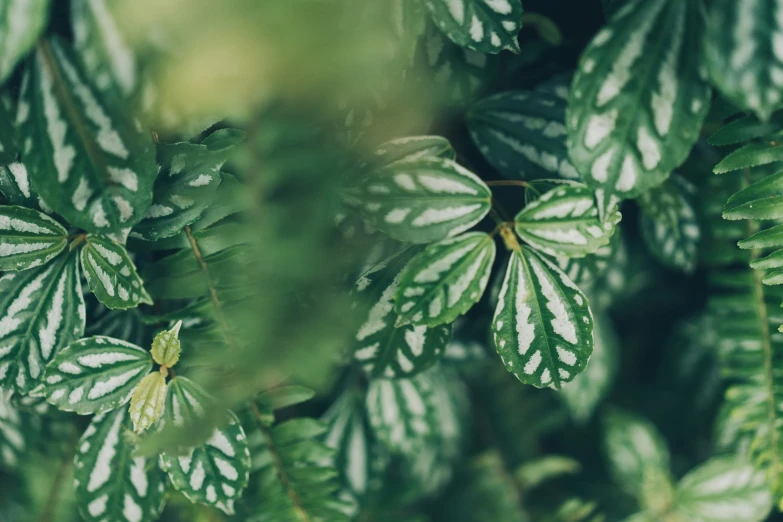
(47, 515)
(507, 183)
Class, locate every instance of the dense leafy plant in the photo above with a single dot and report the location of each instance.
(413, 260)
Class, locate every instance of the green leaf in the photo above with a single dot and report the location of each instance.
(112, 483)
(9, 147)
(103, 49)
(111, 274)
(745, 128)
(421, 200)
(585, 392)
(401, 413)
(95, 375)
(669, 223)
(12, 438)
(381, 348)
(412, 148)
(21, 23)
(488, 26)
(745, 63)
(216, 472)
(543, 326)
(564, 222)
(539, 471)
(187, 183)
(754, 154)
(166, 346)
(723, 489)
(632, 446)
(445, 280)
(15, 186)
(349, 436)
(88, 162)
(146, 405)
(638, 99)
(761, 200)
(28, 238)
(522, 134)
(41, 312)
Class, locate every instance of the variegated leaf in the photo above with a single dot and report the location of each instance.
(9, 146)
(17, 189)
(111, 274)
(102, 47)
(28, 238)
(723, 489)
(401, 413)
(411, 148)
(488, 26)
(146, 405)
(633, 448)
(585, 392)
(522, 134)
(95, 375)
(381, 348)
(444, 280)
(746, 62)
(86, 160)
(216, 472)
(564, 222)
(638, 99)
(669, 223)
(12, 438)
(421, 200)
(543, 326)
(186, 184)
(41, 312)
(349, 436)
(21, 23)
(112, 483)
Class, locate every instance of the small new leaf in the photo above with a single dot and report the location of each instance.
(638, 99)
(487, 26)
(95, 374)
(111, 274)
(445, 280)
(543, 326)
(28, 238)
(112, 483)
(146, 405)
(564, 222)
(421, 200)
(166, 346)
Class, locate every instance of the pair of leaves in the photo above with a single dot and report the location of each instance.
(638, 99)
(639, 461)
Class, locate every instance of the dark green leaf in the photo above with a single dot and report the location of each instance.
(111, 274)
(488, 26)
(28, 238)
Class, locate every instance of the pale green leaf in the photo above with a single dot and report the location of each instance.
(112, 483)
(543, 326)
(381, 348)
(564, 222)
(41, 312)
(638, 99)
(522, 134)
(21, 23)
(536, 472)
(421, 200)
(215, 472)
(445, 280)
(742, 53)
(87, 160)
(28, 238)
(187, 183)
(166, 346)
(669, 223)
(146, 405)
(633, 445)
(487, 26)
(723, 489)
(401, 413)
(111, 274)
(95, 375)
(411, 148)
(103, 49)
(586, 391)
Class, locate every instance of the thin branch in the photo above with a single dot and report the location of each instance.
(507, 183)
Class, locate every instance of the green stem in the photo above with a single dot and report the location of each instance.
(507, 183)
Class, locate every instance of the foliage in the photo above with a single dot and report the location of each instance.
(410, 260)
